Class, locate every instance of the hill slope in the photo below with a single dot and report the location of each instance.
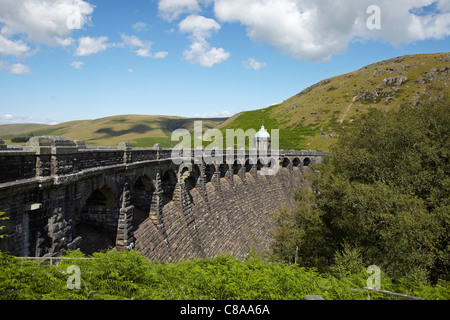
(18, 129)
(139, 130)
(313, 118)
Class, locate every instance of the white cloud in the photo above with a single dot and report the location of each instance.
(130, 70)
(142, 48)
(200, 28)
(11, 119)
(315, 30)
(253, 64)
(77, 64)
(133, 41)
(172, 9)
(10, 47)
(17, 69)
(88, 46)
(47, 22)
(140, 26)
(143, 52)
(202, 54)
(220, 114)
(160, 55)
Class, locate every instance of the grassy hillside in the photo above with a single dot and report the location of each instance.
(19, 129)
(314, 118)
(139, 130)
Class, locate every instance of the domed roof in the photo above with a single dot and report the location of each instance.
(262, 133)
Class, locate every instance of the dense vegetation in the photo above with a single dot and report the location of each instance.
(129, 275)
(381, 198)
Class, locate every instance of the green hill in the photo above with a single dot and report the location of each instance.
(19, 129)
(313, 118)
(139, 130)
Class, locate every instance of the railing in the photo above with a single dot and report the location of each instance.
(399, 295)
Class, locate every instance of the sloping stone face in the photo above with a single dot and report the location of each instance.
(231, 219)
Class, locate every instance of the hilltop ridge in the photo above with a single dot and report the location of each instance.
(313, 118)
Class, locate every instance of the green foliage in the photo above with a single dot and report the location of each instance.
(128, 275)
(347, 262)
(382, 197)
(20, 139)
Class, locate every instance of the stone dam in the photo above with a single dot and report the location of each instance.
(170, 205)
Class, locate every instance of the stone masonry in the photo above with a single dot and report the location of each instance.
(60, 195)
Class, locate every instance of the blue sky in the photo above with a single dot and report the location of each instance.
(77, 59)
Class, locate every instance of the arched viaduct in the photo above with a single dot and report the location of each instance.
(60, 195)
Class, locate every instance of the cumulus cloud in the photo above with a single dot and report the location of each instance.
(10, 47)
(141, 48)
(77, 64)
(10, 119)
(253, 64)
(200, 28)
(47, 22)
(160, 54)
(17, 68)
(88, 46)
(172, 9)
(315, 30)
(220, 114)
(140, 26)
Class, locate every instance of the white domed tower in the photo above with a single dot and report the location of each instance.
(262, 139)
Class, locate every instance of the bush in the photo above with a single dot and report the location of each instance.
(20, 139)
(128, 275)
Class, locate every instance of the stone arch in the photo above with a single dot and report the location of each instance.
(192, 179)
(96, 222)
(142, 192)
(183, 171)
(285, 162)
(168, 182)
(260, 164)
(209, 172)
(236, 166)
(223, 168)
(306, 161)
(272, 163)
(248, 165)
(296, 162)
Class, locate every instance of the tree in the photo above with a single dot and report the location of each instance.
(384, 192)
